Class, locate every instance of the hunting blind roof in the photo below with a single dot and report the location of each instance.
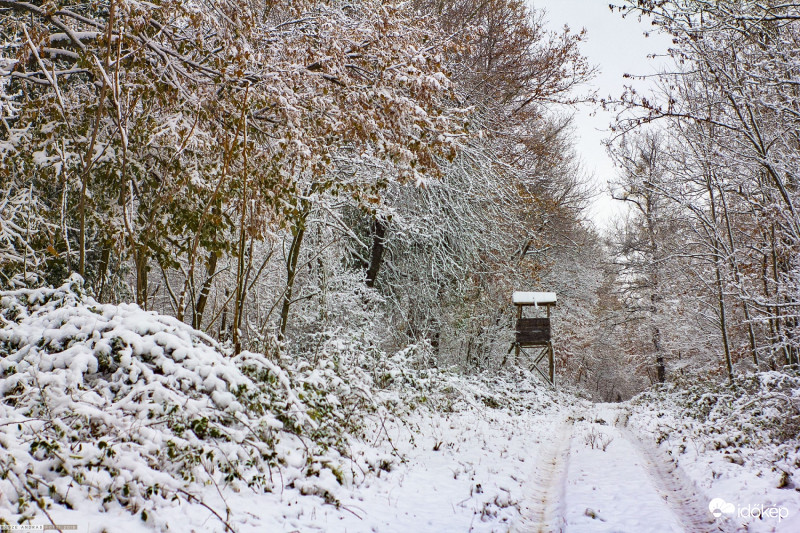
(534, 298)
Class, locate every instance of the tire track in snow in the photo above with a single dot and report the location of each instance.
(542, 510)
(679, 494)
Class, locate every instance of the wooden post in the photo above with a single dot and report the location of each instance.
(516, 344)
(551, 357)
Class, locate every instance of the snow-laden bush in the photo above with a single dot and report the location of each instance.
(134, 409)
(410, 378)
(756, 409)
(756, 419)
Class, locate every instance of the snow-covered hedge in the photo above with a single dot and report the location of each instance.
(129, 408)
(754, 422)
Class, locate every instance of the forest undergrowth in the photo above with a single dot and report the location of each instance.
(132, 410)
(754, 421)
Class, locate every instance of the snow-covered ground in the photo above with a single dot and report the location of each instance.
(576, 468)
(461, 471)
(738, 447)
(609, 482)
(114, 419)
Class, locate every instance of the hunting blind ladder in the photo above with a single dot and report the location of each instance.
(535, 332)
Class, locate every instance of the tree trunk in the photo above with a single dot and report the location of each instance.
(661, 369)
(223, 327)
(141, 263)
(722, 320)
(717, 251)
(737, 277)
(775, 275)
(773, 335)
(298, 232)
(88, 161)
(202, 299)
(655, 276)
(376, 253)
(105, 258)
(291, 272)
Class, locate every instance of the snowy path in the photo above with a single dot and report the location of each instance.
(542, 510)
(576, 469)
(597, 476)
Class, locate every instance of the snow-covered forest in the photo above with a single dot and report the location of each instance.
(257, 259)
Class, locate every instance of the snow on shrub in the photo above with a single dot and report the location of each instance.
(759, 408)
(134, 409)
(754, 420)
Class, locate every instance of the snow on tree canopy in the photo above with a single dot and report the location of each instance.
(534, 298)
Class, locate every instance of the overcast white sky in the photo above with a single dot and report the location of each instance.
(616, 46)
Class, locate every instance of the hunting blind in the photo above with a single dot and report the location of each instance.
(535, 332)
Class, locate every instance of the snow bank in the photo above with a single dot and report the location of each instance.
(133, 411)
(739, 443)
